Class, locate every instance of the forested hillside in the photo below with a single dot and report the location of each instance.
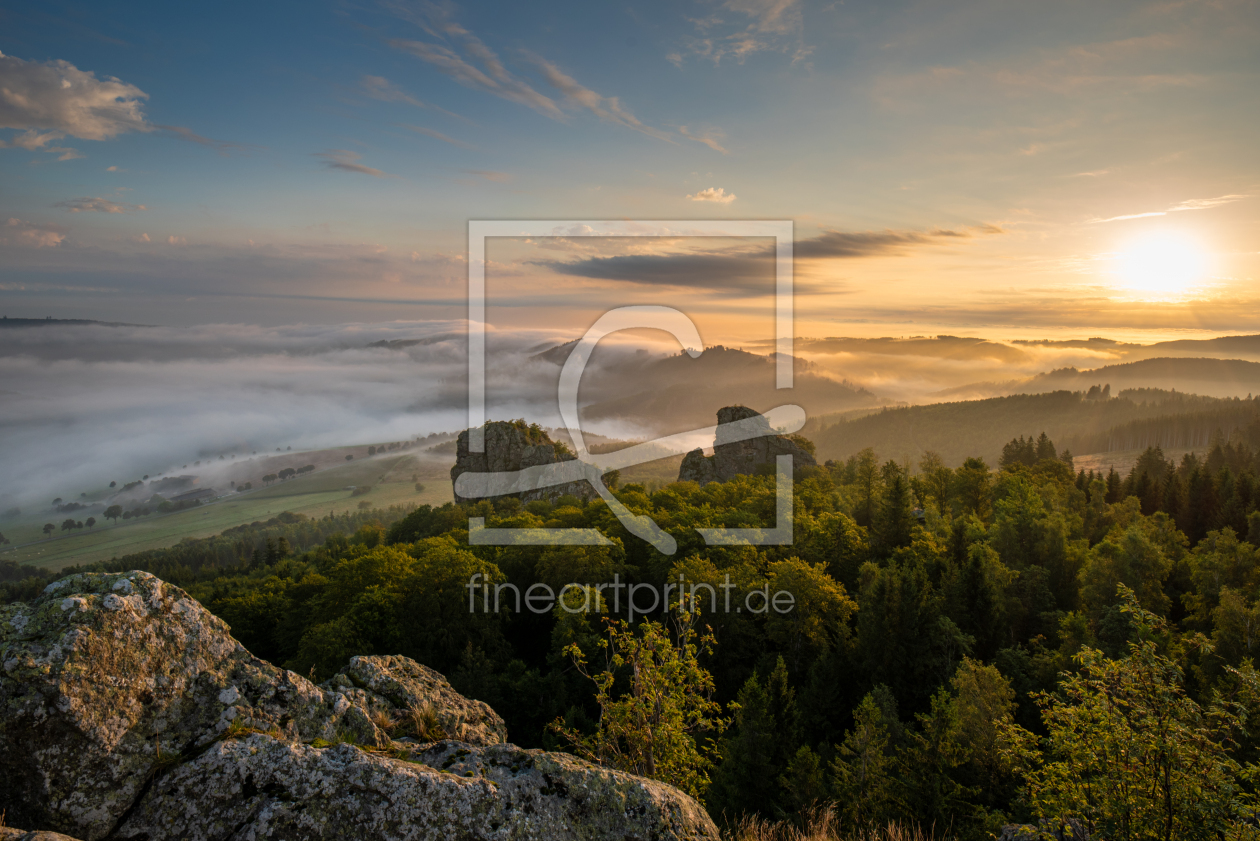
(956, 639)
(1080, 421)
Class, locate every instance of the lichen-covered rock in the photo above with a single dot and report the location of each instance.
(106, 677)
(697, 467)
(511, 446)
(127, 710)
(747, 457)
(398, 687)
(259, 787)
(8, 833)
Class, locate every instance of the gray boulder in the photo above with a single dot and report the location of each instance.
(258, 787)
(511, 446)
(8, 833)
(127, 710)
(733, 458)
(402, 693)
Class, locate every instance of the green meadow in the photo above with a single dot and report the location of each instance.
(325, 491)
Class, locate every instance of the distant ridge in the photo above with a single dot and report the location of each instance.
(5, 321)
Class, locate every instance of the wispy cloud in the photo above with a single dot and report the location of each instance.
(836, 244)
(741, 28)
(222, 146)
(31, 140)
(436, 135)
(491, 77)
(98, 205)
(709, 138)
(490, 175)
(605, 107)
(346, 160)
(31, 234)
(467, 59)
(1189, 204)
(378, 87)
(713, 194)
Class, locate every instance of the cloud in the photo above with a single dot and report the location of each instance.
(64, 101)
(28, 233)
(378, 87)
(183, 133)
(466, 59)
(56, 96)
(114, 169)
(64, 153)
(141, 238)
(713, 194)
(841, 244)
(607, 108)
(60, 100)
(1189, 204)
(1206, 204)
(490, 175)
(172, 240)
(760, 26)
(494, 79)
(750, 269)
(734, 272)
(436, 135)
(32, 139)
(709, 138)
(37, 141)
(344, 159)
(98, 205)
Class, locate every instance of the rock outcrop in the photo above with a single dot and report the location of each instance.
(8, 833)
(128, 711)
(733, 458)
(511, 446)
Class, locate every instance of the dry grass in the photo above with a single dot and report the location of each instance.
(383, 721)
(421, 721)
(820, 823)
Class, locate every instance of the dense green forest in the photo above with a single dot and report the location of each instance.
(967, 647)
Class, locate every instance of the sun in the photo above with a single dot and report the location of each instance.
(1162, 265)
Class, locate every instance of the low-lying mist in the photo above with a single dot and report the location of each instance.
(83, 406)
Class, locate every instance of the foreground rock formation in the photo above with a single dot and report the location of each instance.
(8, 833)
(511, 446)
(741, 458)
(128, 711)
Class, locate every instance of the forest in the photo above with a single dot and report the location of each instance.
(969, 647)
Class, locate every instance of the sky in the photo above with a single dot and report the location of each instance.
(981, 168)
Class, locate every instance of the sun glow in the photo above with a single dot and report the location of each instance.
(1162, 265)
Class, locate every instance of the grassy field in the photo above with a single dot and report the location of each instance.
(390, 478)
(1121, 460)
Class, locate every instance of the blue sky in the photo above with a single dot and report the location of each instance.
(318, 162)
